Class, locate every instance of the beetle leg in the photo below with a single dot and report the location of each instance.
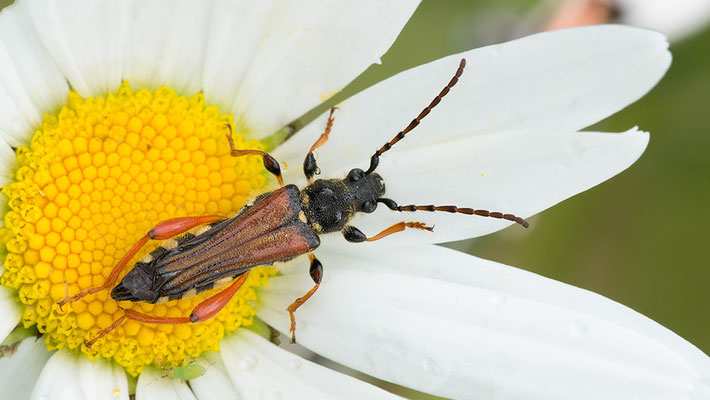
(310, 167)
(207, 309)
(210, 307)
(270, 162)
(354, 235)
(316, 272)
(163, 230)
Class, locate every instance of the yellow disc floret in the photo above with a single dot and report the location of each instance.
(94, 179)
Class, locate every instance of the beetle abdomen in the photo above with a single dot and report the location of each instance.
(272, 229)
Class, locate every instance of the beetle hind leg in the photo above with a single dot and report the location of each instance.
(316, 272)
(163, 230)
(207, 309)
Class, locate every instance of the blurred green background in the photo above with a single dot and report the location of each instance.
(639, 238)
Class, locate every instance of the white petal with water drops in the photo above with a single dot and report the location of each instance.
(520, 173)
(73, 376)
(558, 81)
(260, 370)
(18, 374)
(457, 326)
(154, 384)
(215, 384)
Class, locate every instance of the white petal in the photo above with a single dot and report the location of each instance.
(167, 44)
(261, 370)
(7, 169)
(10, 311)
(73, 376)
(215, 384)
(30, 81)
(153, 384)
(86, 40)
(271, 61)
(39, 73)
(676, 19)
(19, 373)
(550, 82)
(521, 173)
(456, 326)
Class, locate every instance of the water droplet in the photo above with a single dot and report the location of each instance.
(247, 363)
(497, 298)
(578, 328)
(295, 364)
(428, 364)
(453, 300)
(16, 125)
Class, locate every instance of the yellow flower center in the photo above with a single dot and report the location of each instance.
(95, 179)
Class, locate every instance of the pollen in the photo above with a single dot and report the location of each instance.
(95, 178)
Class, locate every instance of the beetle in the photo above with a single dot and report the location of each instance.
(277, 226)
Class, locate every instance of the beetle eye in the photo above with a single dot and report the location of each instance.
(355, 174)
(369, 206)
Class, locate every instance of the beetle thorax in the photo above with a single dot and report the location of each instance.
(330, 203)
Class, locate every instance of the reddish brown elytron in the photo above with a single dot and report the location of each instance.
(277, 226)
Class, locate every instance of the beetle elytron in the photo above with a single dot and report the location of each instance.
(277, 226)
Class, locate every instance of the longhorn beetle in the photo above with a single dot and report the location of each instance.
(278, 226)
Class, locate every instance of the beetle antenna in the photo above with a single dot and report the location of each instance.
(392, 205)
(374, 161)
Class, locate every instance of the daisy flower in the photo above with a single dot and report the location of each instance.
(676, 19)
(112, 119)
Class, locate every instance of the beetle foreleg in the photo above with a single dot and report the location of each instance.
(354, 235)
(163, 230)
(270, 162)
(310, 167)
(316, 272)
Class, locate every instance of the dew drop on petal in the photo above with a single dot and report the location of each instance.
(247, 363)
(578, 328)
(13, 97)
(497, 298)
(73, 392)
(576, 149)
(16, 125)
(428, 364)
(294, 364)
